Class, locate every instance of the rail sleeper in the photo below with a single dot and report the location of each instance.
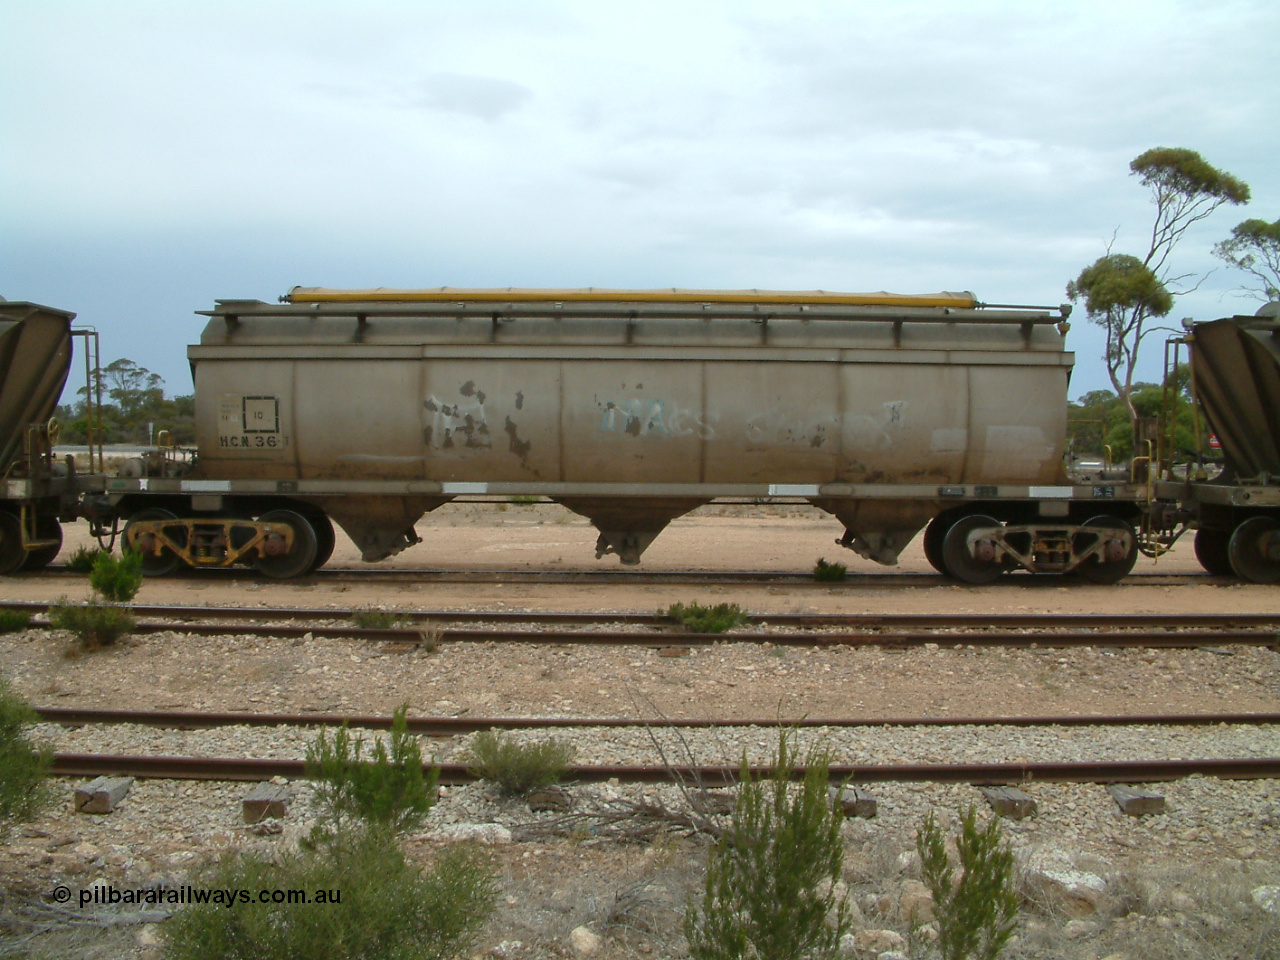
(1134, 801)
(102, 795)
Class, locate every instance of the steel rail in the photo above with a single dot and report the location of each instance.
(1115, 771)
(936, 621)
(789, 580)
(450, 726)
(615, 638)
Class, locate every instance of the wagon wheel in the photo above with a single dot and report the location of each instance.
(12, 556)
(934, 534)
(300, 558)
(1212, 550)
(325, 537)
(153, 565)
(957, 559)
(47, 528)
(1251, 552)
(1099, 570)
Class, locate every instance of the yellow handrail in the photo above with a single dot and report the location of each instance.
(961, 301)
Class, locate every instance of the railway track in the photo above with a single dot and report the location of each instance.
(849, 620)
(1116, 771)
(237, 768)
(625, 577)
(894, 630)
(450, 726)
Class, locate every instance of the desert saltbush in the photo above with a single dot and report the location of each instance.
(11, 621)
(388, 792)
(771, 878)
(699, 619)
(518, 767)
(363, 901)
(82, 560)
(23, 765)
(117, 579)
(95, 624)
(367, 618)
(977, 915)
(825, 572)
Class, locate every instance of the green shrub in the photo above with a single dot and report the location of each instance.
(376, 906)
(368, 618)
(525, 499)
(825, 572)
(117, 579)
(699, 619)
(388, 792)
(23, 787)
(95, 624)
(82, 560)
(771, 878)
(11, 621)
(518, 767)
(977, 916)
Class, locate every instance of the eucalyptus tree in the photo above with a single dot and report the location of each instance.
(1254, 247)
(1124, 293)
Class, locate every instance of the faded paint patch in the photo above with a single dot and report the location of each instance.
(651, 418)
(457, 425)
(1016, 453)
(949, 440)
(878, 433)
(517, 446)
(790, 423)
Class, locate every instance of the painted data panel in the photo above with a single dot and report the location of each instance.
(244, 419)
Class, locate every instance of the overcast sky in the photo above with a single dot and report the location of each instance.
(156, 156)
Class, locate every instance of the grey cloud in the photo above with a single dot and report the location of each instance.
(485, 98)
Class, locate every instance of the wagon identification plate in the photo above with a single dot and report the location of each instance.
(249, 423)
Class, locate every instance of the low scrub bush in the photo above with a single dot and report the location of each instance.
(23, 765)
(388, 792)
(363, 901)
(11, 621)
(95, 624)
(699, 619)
(370, 619)
(117, 579)
(518, 767)
(82, 560)
(977, 915)
(771, 878)
(825, 572)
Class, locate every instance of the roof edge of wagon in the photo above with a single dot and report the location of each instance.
(963, 300)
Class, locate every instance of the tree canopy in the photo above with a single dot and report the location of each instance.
(1254, 247)
(1185, 189)
(1099, 422)
(136, 409)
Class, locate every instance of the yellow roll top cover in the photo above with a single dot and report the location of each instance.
(959, 301)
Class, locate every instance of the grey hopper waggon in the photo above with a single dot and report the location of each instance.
(368, 408)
